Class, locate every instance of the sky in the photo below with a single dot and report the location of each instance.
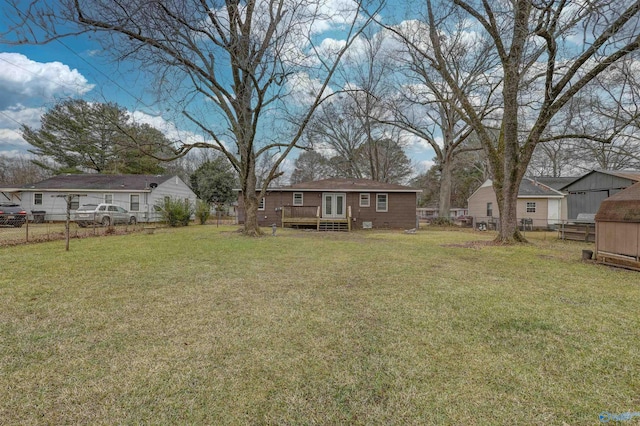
(33, 78)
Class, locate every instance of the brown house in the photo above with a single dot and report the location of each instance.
(618, 229)
(338, 204)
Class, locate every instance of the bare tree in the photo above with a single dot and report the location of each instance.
(336, 132)
(597, 129)
(553, 158)
(351, 128)
(542, 68)
(18, 171)
(357, 146)
(367, 73)
(229, 64)
(427, 107)
(310, 166)
(469, 172)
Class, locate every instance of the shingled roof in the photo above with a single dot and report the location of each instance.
(533, 188)
(556, 182)
(95, 181)
(621, 207)
(347, 185)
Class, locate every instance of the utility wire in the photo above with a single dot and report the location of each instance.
(39, 25)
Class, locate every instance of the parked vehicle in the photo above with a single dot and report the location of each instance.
(11, 214)
(102, 214)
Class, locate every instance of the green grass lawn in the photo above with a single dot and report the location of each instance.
(203, 326)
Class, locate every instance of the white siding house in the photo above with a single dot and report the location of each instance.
(136, 193)
(539, 205)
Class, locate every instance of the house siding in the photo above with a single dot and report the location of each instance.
(540, 217)
(485, 194)
(401, 211)
(478, 202)
(174, 188)
(55, 206)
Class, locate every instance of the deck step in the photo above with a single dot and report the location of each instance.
(333, 226)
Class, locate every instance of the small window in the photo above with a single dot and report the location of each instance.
(108, 198)
(489, 209)
(134, 203)
(365, 200)
(37, 199)
(382, 203)
(531, 207)
(298, 198)
(75, 203)
(261, 204)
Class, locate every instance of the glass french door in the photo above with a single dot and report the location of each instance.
(334, 205)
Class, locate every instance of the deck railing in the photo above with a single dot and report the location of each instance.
(310, 215)
(300, 211)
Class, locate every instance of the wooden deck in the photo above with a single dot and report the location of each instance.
(294, 216)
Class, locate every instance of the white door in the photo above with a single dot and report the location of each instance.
(334, 205)
(554, 211)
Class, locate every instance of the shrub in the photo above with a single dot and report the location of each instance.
(442, 221)
(203, 211)
(175, 211)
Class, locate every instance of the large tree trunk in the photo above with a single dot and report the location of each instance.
(444, 203)
(250, 197)
(251, 227)
(507, 205)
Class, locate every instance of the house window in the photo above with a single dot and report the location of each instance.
(382, 203)
(531, 207)
(261, 204)
(297, 198)
(37, 199)
(365, 200)
(134, 203)
(75, 203)
(489, 209)
(108, 198)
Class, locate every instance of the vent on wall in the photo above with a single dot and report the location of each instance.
(367, 225)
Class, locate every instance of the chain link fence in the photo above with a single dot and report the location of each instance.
(484, 223)
(40, 227)
(577, 230)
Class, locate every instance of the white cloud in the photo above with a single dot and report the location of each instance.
(10, 120)
(423, 166)
(304, 89)
(16, 115)
(332, 14)
(23, 80)
(169, 129)
(11, 141)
